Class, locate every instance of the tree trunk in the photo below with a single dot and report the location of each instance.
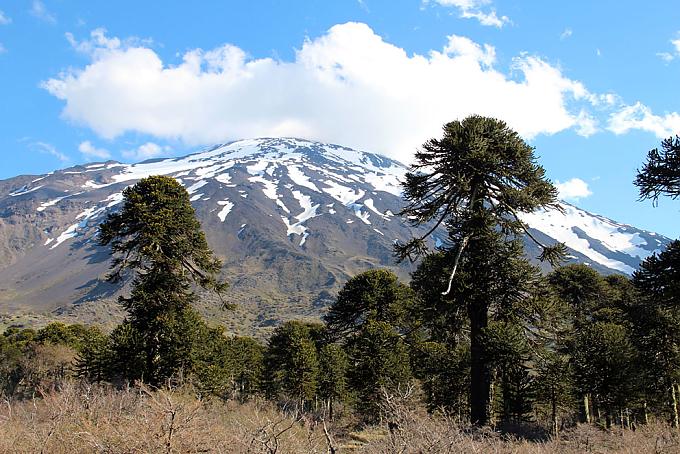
(586, 409)
(675, 406)
(644, 409)
(480, 378)
(553, 401)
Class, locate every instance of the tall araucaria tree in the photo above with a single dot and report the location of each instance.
(157, 237)
(476, 180)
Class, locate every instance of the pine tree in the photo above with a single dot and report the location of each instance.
(476, 181)
(156, 236)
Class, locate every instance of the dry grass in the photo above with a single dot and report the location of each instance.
(83, 419)
(414, 431)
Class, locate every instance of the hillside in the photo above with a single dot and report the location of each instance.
(292, 220)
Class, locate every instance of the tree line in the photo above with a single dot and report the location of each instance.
(479, 332)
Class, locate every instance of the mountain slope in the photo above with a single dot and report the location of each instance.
(292, 220)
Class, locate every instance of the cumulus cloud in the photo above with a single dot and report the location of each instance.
(90, 151)
(148, 150)
(40, 11)
(476, 9)
(574, 189)
(4, 19)
(566, 33)
(462, 46)
(639, 116)
(348, 86)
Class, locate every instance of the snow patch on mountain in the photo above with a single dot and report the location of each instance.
(319, 172)
(591, 234)
(226, 208)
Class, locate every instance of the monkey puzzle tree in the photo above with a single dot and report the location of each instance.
(661, 173)
(374, 295)
(476, 181)
(292, 361)
(156, 236)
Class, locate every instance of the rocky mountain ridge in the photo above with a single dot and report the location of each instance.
(292, 219)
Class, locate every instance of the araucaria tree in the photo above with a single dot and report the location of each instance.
(157, 237)
(661, 173)
(477, 180)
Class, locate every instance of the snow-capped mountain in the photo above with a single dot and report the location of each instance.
(292, 220)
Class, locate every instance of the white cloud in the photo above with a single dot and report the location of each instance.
(3, 49)
(4, 19)
(566, 33)
(90, 151)
(146, 151)
(98, 42)
(39, 10)
(348, 86)
(573, 189)
(665, 56)
(50, 149)
(675, 53)
(473, 9)
(639, 116)
(465, 47)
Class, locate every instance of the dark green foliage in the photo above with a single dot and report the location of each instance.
(508, 353)
(661, 173)
(157, 230)
(604, 365)
(247, 365)
(228, 367)
(374, 295)
(94, 361)
(441, 318)
(333, 366)
(156, 235)
(659, 277)
(292, 360)
(581, 288)
(554, 387)
(480, 165)
(656, 321)
(380, 364)
(604, 360)
(444, 372)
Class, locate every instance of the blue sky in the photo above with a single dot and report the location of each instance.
(592, 85)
